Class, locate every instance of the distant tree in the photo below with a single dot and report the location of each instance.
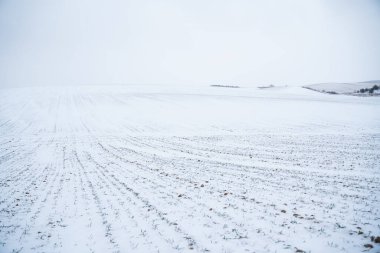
(370, 90)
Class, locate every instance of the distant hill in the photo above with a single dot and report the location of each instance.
(358, 88)
(372, 81)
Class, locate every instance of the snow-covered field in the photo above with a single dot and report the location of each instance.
(344, 88)
(188, 169)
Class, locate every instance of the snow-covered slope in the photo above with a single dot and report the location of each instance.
(342, 88)
(180, 169)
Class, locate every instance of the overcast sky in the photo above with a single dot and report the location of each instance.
(71, 42)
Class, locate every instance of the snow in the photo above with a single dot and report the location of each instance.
(187, 169)
(342, 88)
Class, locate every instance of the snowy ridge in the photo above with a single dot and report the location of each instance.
(343, 88)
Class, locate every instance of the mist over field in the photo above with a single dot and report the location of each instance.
(70, 42)
(189, 126)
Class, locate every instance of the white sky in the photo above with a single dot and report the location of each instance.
(70, 42)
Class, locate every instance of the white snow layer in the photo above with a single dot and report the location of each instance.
(343, 88)
(188, 169)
